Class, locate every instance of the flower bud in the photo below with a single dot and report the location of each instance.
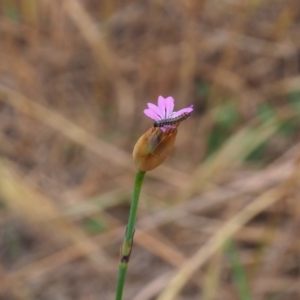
(153, 147)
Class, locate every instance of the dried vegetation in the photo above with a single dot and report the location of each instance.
(220, 219)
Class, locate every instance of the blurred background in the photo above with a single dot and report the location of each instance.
(75, 77)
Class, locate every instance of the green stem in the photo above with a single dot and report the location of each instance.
(128, 239)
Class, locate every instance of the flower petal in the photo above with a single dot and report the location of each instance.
(169, 106)
(162, 106)
(181, 111)
(164, 128)
(151, 114)
(155, 109)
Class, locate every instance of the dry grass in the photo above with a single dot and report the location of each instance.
(75, 77)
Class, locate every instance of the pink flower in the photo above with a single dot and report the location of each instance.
(164, 110)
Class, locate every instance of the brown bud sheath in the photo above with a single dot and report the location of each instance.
(153, 147)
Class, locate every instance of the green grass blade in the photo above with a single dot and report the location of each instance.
(238, 271)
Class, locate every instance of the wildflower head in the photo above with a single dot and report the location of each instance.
(154, 146)
(164, 115)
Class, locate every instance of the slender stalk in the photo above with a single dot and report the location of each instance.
(128, 239)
